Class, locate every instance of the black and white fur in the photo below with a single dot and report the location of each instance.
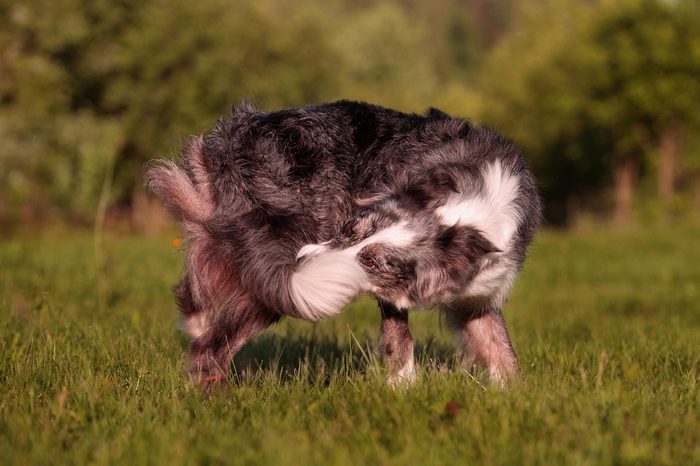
(298, 211)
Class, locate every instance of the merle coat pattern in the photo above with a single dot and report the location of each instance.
(297, 211)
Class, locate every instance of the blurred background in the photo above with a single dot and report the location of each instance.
(602, 96)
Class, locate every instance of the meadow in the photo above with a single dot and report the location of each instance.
(606, 324)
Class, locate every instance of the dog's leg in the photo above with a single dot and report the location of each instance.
(194, 320)
(484, 339)
(397, 345)
(211, 353)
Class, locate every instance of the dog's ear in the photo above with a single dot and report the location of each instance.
(458, 251)
(460, 247)
(424, 188)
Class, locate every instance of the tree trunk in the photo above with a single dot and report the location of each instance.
(669, 148)
(626, 172)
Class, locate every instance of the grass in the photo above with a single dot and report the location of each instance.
(606, 325)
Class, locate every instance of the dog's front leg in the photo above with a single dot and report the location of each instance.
(397, 345)
(484, 339)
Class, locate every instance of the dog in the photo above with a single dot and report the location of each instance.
(298, 211)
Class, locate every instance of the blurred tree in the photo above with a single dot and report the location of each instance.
(183, 63)
(592, 94)
(55, 63)
(527, 89)
(83, 82)
(598, 93)
(384, 57)
(651, 88)
(491, 20)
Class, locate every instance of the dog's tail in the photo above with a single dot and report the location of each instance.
(184, 190)
(323, 286)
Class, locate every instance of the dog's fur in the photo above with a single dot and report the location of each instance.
(296, 212)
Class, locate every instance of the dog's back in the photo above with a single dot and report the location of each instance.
(314, 160)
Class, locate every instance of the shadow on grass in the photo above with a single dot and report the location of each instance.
(316, 358)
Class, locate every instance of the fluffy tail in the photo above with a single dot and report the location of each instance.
(324, 285)
(185, 195)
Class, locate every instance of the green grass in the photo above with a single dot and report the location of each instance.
(606, 325)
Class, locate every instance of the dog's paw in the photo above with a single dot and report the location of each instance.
(404, 377)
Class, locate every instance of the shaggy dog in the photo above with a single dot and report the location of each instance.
(298, 211)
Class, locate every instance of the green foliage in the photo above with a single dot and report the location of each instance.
(55, 65)
(131, 80)
(602, 82)
(179, 71)
(383, 55)
(609, 356)
(87, 85)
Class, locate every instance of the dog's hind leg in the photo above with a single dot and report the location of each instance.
(194, 319)
(397, 345)
(481, 332)
(226, 333)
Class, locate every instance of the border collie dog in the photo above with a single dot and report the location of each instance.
(296, 212)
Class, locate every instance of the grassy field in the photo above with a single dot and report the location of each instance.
(606, 325)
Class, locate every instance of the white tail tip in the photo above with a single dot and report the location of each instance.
(325, 284)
